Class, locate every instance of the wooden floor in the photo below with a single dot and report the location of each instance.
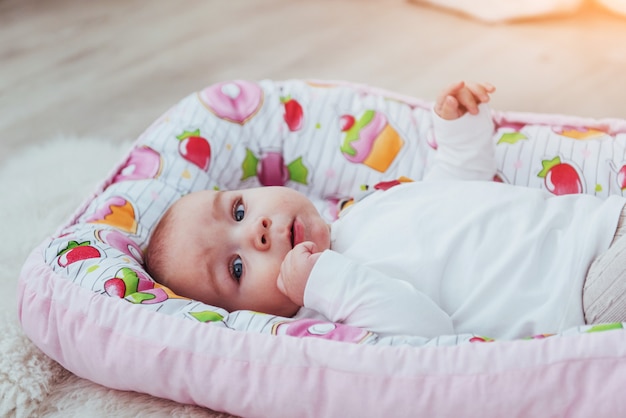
(109, 68)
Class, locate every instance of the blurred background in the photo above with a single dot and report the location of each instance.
(107, 69)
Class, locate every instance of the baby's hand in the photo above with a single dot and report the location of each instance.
(462, 97)
(295, 271)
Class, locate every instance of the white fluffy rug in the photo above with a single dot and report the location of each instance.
(40, 187)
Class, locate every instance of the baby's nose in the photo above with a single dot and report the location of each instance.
(261, 234)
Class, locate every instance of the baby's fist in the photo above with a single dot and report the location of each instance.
(295, 271)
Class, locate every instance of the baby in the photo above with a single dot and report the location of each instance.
(440, 256)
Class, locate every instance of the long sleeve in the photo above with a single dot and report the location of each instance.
(465, 147)
(345, 291)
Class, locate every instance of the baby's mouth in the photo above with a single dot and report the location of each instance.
(297, 232)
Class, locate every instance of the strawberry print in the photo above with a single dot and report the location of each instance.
(477, 339)
(560, 178)
(115, 287)
(126, 282)
(620, 175)
(194, 148)
(77, 251)
(386, 185)
(294, 116)
(136, 288)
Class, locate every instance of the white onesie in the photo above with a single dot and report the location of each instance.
(446, 256)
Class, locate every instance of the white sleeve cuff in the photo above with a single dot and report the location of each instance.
(465, 147)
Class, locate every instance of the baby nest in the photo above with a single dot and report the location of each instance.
(87, 302)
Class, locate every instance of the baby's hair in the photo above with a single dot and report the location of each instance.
(158, 246)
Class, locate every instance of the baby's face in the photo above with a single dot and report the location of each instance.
(226, 248)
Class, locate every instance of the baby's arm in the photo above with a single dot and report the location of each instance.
(347, 292)
(464, 134)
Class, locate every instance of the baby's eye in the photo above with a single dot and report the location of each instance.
(236, 268)
(239, 211)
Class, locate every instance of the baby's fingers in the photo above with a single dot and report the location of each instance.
(449, 109)
(481, 91)
(451, 90)
(295, 270)
(468, 100)
(474, 94)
